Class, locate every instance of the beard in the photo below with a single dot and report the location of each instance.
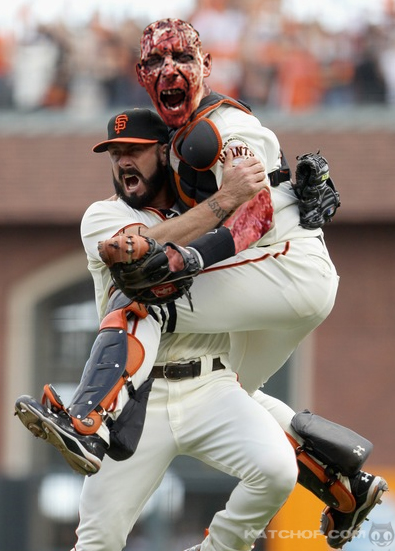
(153, 185)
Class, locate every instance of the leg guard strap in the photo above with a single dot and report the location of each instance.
(126, 430)
(321, 481)
(116, 355)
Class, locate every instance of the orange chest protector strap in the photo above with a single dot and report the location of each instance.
(115, 356)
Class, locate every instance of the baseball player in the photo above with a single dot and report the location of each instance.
(172, 69)
(196, 408)
(111, 213)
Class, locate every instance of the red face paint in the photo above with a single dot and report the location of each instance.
(172, 69)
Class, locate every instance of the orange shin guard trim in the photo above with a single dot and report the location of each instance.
(138, 309)
(136, 355)
(344, 498)
(51, 397)
(89, 425)
(115, 320)
(118, 318)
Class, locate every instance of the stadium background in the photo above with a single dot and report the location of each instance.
(345, 371)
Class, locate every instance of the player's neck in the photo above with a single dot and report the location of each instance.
(164, 200)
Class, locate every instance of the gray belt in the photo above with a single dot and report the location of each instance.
(176, 371)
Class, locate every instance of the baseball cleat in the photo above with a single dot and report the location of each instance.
(84, 453)
(340, 528)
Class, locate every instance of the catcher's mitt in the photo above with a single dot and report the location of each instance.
(140, 268)
(318, 198)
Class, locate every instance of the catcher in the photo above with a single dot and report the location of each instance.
(128, 257)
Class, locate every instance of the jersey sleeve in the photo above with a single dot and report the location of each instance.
(245, 136)
(104, 219)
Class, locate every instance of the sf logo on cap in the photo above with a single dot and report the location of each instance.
(120, 123)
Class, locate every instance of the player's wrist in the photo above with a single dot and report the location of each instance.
(220, 206)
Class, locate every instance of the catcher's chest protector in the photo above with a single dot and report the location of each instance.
(197, 147)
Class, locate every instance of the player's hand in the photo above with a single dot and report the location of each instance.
(176, 262)
(181, 258)
(241, 182)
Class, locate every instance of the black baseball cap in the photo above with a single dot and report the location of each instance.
(134, 126)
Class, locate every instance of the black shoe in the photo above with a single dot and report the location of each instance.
(342, 527)
(84, 453)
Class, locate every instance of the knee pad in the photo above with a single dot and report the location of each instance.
(342, 449)
(116, 355)
(328, 449)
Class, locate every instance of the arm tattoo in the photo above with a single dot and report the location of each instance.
(219, 212)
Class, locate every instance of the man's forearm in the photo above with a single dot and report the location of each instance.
(240, 183)
(192, 224)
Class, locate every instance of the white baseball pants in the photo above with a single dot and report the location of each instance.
(212, 419)
(268, 298)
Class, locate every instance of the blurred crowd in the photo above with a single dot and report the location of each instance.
(260, 55)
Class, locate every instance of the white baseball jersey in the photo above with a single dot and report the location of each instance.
(278, 291)
(244, 135)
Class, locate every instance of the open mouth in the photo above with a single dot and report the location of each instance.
(172, 99)
(131, 181)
